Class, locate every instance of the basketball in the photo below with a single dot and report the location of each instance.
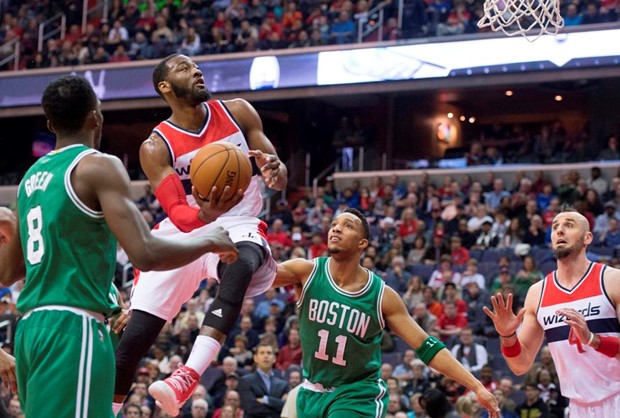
(220, 164)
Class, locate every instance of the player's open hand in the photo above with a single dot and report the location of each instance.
(216, 203)
(119, 321)
(505, 321)
(577, 322)
(269, 166)
(488, 402)
(222, 244)
(7, 371)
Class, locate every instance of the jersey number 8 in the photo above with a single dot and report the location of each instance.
(35, 247)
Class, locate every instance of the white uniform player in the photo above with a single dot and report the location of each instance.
(577, 309)
(589, 379)
(165, 158)
(175, 287)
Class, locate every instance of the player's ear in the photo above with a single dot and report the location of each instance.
(164, 86)
(588, 238)
(50, 127)
(91, 119)
(363, 244)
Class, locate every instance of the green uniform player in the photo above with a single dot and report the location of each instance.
(343, 309)
(72, 206)
(68, 300)
(341, 345)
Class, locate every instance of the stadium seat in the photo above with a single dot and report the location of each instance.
(541, 255)
(476, 254)
(399, 345)
(606, 252)
(547, 267)
(422, 270)
(393, 358)
(491, 255)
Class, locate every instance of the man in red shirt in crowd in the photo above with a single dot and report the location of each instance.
(290, 354)
(450, 323)
(460, 254)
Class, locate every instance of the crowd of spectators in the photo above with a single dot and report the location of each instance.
(546, 143)
(147, 29)
(444, 247)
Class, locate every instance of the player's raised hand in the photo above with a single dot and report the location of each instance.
(488, 402)
(505, 321)
(269, 166)
(7, 371)
(222, 245)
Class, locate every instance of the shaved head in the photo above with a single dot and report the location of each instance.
(570, 233)
(575, 216)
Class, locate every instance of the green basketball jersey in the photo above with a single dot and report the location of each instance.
(340, 330)
(69, 251)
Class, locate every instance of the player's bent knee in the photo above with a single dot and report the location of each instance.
(222, 315)
(235, 278)
(234, 282)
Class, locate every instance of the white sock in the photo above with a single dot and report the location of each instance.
(116, 407)
(204, 351)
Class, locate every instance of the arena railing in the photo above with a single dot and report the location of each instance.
(103, 5)
(45, 34)
(14, 45)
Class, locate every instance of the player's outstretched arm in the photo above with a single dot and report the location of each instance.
(432, 351)
(520, 349)
(12, 267)
(293, 272)
(105, 177)
(273, 170)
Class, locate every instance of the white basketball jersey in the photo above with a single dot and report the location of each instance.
(219, 126)
(586, 375)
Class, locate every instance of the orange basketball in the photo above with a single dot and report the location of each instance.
(220, 164)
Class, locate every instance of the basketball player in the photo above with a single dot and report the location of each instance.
(576, 308)
(165, 157)
(71, 204)
(343, 310)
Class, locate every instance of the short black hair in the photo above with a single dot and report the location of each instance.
(161, 72)
(362, 218)
(66, 103)
(435, 403)
(568, 208)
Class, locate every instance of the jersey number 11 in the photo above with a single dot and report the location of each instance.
(321, 353)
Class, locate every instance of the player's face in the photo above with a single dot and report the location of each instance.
(569, 234)
(186, 80)
(345, 234)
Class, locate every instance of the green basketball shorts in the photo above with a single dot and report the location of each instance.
(65, 364)
(363, 399)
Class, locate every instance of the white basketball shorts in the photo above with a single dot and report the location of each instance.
(162, 293)
(607, 408)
